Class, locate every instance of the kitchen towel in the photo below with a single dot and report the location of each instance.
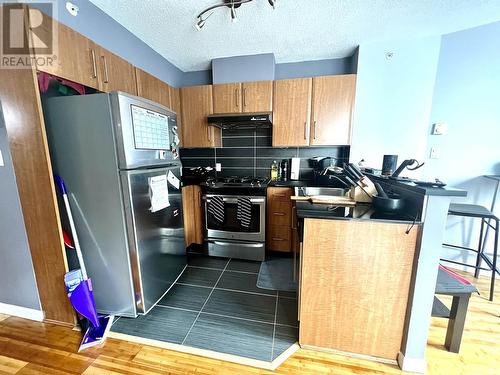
(244, 214)
(216, 208)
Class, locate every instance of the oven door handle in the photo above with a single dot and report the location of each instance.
(234, 200)
(219, 243)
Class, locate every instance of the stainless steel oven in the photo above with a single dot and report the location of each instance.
(229, 238)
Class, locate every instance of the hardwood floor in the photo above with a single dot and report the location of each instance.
(28, 347)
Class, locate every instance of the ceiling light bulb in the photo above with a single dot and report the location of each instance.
(199, 25)
(233, 14)
(272, 3)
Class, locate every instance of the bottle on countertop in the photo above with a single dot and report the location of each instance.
(274, 171)
(284, 170)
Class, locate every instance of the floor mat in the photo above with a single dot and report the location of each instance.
(277, 274)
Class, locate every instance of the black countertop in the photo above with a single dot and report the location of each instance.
(411, 186)
(362, 211)
(290, 183)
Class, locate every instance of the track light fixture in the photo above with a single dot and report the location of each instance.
(231, 4)
(233, 14)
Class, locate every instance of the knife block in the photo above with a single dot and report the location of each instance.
(359, 195)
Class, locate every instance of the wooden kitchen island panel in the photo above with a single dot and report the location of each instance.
(355, 281)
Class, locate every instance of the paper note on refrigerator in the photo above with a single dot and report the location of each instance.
(172, 178)
(158, 191)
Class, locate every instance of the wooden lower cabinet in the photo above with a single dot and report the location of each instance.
(193, 214)
(354, 285)
(279, 219)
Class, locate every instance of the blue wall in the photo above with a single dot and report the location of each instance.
(260, 67)
(393, 99)
(467, 97)
(243, 68)
(315, 68)
(96, 25)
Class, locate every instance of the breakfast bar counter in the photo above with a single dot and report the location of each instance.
(367, 280)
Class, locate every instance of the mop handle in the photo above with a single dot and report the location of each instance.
(62, 187)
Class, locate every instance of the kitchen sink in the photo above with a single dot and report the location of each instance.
(320, 191)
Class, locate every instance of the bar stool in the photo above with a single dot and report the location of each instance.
(486, 216)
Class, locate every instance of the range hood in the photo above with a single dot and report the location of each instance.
(241, 120)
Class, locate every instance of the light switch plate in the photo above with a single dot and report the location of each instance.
(218, 167)
(435, 153)
(440, 128)
(1, 159)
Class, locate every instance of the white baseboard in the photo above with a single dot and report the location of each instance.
(418, 365)
(21, 312)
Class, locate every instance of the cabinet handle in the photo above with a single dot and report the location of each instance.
(279, 213)
(314, 129)
(279, 195)
(244, 97)
(278, 239)
(208, 133)
(294, 218)
(94, 65)
(199, 199)
(236, 99)
(305, 130)
(105, 63)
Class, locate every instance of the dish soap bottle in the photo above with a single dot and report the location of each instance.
(274, 171)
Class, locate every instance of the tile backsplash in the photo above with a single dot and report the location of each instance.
(249, 152)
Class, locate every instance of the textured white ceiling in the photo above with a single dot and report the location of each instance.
(297, 30)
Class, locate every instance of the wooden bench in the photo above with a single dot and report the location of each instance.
(452, 284)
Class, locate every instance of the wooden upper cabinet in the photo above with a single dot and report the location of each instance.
(227, 98)
(291, 112)
(76, 59)
(332, 108)
(196, 104)
(115, 74)
(243, 97)
(175, 105)
(257, 96)
(152, 88)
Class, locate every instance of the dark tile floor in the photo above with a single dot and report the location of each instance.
(216, 305)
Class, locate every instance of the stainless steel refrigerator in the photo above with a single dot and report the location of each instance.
(109, 148)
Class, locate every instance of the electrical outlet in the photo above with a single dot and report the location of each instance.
(435, 153)
(218, 167)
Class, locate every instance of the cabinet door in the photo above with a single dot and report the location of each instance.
(279, 219)
(332, 108)
(193, 214)
(77, 56)
(227, 98)
(196, 105)
(351, 301)
(291, 112)
(257, 96)
(115, 74)
(152, 88)
(175, 105)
